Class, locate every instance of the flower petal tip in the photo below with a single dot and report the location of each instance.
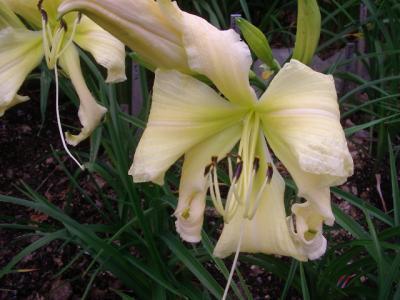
(116, 77)
(140, 176)
(5, 105)
(186, 235)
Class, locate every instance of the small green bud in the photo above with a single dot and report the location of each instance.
(257, 42)
(308, 30)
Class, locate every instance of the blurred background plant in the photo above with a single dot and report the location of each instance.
(132, 234)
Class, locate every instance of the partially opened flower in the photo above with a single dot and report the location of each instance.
(299, 117)
(22, 50)
(145, 26)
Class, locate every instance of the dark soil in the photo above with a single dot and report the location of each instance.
(26, 149)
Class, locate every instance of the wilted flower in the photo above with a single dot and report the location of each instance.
(22, 50)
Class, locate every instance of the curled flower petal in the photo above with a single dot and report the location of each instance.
(90, 112)
(106, 49)
(219, 55)
(268, 231)
(193, 186)
(20, 53)
(184, 112)
(300, 117)
(308, 229)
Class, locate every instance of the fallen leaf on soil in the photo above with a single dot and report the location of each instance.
(39, 218)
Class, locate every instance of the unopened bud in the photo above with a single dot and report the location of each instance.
(257, 42)
(308, 30)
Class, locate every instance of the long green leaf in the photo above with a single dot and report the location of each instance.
(361, 204)
(289, 281)
(192, 264)
(46, 239)
(304, 286)
(395, 184)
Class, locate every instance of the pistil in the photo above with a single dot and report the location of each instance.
(54, 46)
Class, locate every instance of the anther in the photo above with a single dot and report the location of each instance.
(207, 170)
(44, 16)
(238, 171)
(186, 213)
(270, 172)
(79, 17)
(214, 160)
(63, 25)
(256, 164)
(40, 4)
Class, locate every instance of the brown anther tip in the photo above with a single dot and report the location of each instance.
(207, 170)
(40, 4)
(44, 15)
(270, 172)
(214, 160)
(256, 164)
(238, 170)
(63, 25)
(79, 17)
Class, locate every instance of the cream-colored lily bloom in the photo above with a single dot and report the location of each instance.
(22, 50)
(297, 117)
(145, 26)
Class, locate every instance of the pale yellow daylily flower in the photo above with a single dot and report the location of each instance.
(298, 115)
(22, 50)
(143, 25)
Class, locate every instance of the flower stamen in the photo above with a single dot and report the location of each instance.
(256, 166)
(260, 193)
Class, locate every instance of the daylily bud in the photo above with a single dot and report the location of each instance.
(308, 30)
(144, 26)
(257, 42)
